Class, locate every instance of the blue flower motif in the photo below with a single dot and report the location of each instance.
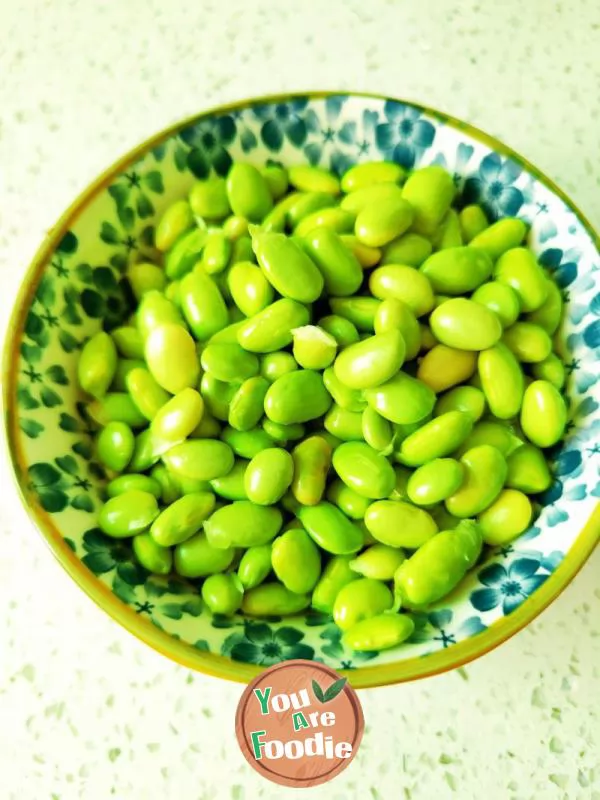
(437, 626)
(406, 136)
(281, 121)
(507, 587)
(208, 140)
(458, 164)
(332, 134)
(561, 264)
(493, 187)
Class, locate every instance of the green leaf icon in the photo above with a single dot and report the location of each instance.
(335, 688)
(318, 692)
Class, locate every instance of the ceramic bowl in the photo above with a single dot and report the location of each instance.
(74, 286)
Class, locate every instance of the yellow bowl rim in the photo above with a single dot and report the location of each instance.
(185, 654)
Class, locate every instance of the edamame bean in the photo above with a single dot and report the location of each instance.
(313, 348)
(124, 367)
(380, 562)
(127, 483)
(503, 235)
(182, 519)
(378, 224)
(366, 256)
(217, 252)
(376, 430)
(371, 362)
(277, 180)
(297, 397)
(370, 174)
(271, 329)
(235, 228)
(379, 633)
(465, 325)
(330, 529)
(438, 566)
(175, 221)
(437, 438)
(313, 179)
(128, 514)
(448, 234)
(358, 310)
(393, 314)
(116, 407)
(200, 459)
(519, 269)
(548, 315)
(197, 558)
(283, 433)
(305, 204)
(457, 270)
(152, 556)
(273, 600)
(529, 343)
(353, 504)
(485, 471)
(551, 369)
(399, 524)
(170, 488)
(472, 222)
(274, 365)
(248, 192)
(145, 277)
(467, 399)
(443, 367)
(208, 199)
(250, 290)
(185, 253)
(156, 310)
(336, 220)
(311, 462)
(229, 362)
(543, 414)
(341, 271)
(287, 268)
(114, 445)
(409, 249)
(147, 451)
(364, 469)
(493, 433)
(128, 341)
(434, 482)
(145, 392)
(268, 476)
(502, 380)
(345, 425)
(203, 305)
(342, 330)
(361, 599)
(97, 365)
(399, 492)
(335, 576)
(296, 561)
(508, 517)
(247, 444)
(403, 283)
(343, 396)
(403, 399)
(246, 406)
(243, 524)
(430, 191)
(176, 420)
(171, 358)
(528, 470)
(232, 486)
(223, 593)
(501, 299)
(217, 395)
(255, 566)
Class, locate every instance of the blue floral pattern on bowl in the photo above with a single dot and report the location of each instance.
(81, 284)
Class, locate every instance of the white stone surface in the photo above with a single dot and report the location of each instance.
(86, 711)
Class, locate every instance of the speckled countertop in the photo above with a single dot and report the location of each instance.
(86, 711)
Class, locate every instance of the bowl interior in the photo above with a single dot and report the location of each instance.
(76, 286)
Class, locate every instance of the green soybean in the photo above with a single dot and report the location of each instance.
(457, 270)
(185, 253)
(330, 529)
(379, 223)
(364, 469)
(145, 277)
(467, 399)
(313, 179)
(443, 367)
(152, 556)
(360, 600)
(97, 365)
(530, 343)
(313, 348)
(549, 314)
(403, 399)
(247, 444)
(296, 561)
(232, 486)
(127, 483)
(353, 504)
(145, 392)
(222, 593)
(274, 365)
(507, 517)
(176, 420)
(297, 397)
(501, 299)
(128, 514)
(528, 470)
(502, 380)
(246, 406)
(182, 519)
(311, 461)
(371, 362)
(203, 305)
(370, 174)
(273, 600)
(200, 459)
(519, 269)
(229, 362)
(277, 180)
(289, 270)
(380, 562)
(472, 222)
(343, 396)
(250, 290)
(430, 191)
(493, 433)
(465, 325)
(341, 271)
(409, 249)
(116, 407)
(175, 221)
(551, 369)
(248, 192)
(197, 558)
(543, 414)
(377, 431)
(255, 565)
(114, 445)
(484, 476)
(399, 524)
(271, 329)
(434, 482)
(268, 476)
(243, 524)
(173, 374)
(128, 341)
(393, 314)
(335, 576)
(208, 199)
(358, 310)
(378, 633)
(503, 235)
(403, 283)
